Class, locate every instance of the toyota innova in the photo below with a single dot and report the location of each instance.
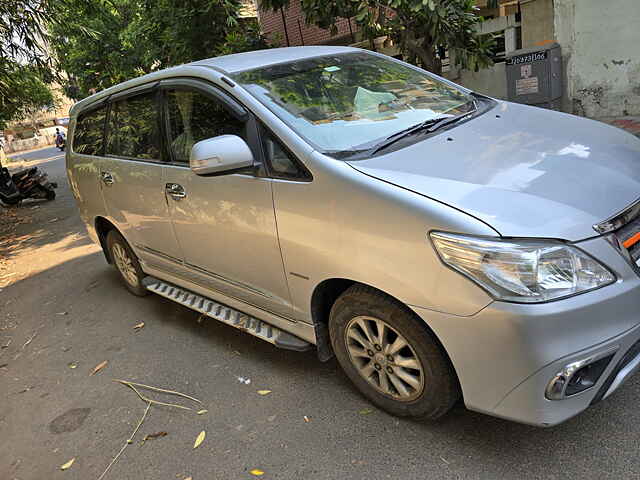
(442, 245)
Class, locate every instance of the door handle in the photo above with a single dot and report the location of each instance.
(175, 190)
(107, 178)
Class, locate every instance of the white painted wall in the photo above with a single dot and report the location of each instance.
(490, 81)
(601, 49)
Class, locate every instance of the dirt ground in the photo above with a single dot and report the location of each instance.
(63, 312)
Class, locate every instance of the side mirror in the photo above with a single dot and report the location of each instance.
(220, 154)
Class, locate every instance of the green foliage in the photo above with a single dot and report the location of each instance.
(29, 95)
(99, 43)
(86, 41)
(244, 39)
(176, 31)
(23, 61)
(422, 28)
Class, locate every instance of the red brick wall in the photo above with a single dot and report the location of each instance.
(271, 23)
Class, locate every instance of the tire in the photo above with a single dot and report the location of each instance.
(14, 202)
(50, 193)
(432, 388)
(126, 263)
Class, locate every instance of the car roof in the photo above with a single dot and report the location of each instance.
(238, 62)
(227, 64)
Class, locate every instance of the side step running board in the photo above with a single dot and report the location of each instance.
(227, 315)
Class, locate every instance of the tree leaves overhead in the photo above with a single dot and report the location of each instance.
(27, 93)
(99, 43)
(24, 62)
(423, 29)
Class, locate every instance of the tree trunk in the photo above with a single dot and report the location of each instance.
(431, 61)
(426, 52)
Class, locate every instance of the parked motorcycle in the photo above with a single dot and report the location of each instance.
(27, 183)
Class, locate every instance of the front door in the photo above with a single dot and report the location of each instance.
(225, 224)
(131, 180)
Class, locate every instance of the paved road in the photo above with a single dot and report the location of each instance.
(44, 153)
(63, 307)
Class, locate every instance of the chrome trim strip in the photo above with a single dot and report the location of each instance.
(623, 375)
(619, 219)
(157, 253)
(203, 271)
(558, 384)
(228, 280)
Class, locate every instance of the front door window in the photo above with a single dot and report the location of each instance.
(194, 116)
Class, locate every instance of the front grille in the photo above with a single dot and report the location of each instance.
(626, 232)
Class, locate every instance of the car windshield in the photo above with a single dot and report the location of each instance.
(347, 102)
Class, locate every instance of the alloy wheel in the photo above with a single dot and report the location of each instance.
(125, 264)
(385, 358)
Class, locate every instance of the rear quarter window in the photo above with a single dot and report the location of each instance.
(88, 137)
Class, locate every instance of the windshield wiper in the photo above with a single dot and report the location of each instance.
(428, 126)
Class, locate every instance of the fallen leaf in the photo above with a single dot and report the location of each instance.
(53, 220)
(199, 439)
(99, 367)
(202, 412)
(73, 365)
(154, 435)
(68, 464)
(365, 411)
(189, 478)
(264, 392)
(306, 419)
(62, 313)
(257, 472)
(138, 326)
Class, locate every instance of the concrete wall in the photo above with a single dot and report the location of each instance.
(537, 22)
(601, 49)
(490, 81)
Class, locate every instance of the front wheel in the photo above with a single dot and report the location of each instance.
(126, 263)
(392, 359)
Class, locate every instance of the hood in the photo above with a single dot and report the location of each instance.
(525, 171)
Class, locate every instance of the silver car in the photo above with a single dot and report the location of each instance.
(441, 244)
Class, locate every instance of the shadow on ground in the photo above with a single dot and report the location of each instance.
(84, 315)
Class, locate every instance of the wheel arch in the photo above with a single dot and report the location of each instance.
(103, 227)
(325, 295)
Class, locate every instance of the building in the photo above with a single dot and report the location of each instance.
(599, 43)
(286, 28)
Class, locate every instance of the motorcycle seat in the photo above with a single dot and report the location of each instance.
(21, 173)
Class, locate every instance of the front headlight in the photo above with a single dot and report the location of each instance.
(522, 270)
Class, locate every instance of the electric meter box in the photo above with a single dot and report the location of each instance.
(534, 76)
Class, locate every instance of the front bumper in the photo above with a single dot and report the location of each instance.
(506, 355)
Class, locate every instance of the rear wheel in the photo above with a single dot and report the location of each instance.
(126, 263)
(392, 359)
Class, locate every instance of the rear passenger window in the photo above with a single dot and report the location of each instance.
(194, 116)
(88, 135)
(133, 128)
